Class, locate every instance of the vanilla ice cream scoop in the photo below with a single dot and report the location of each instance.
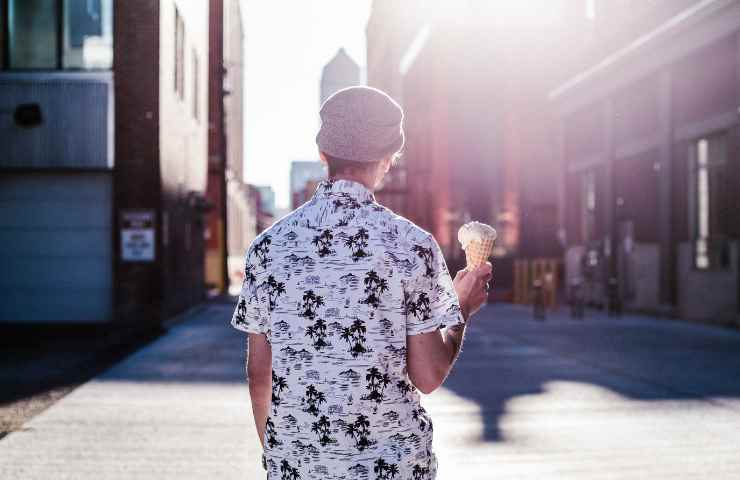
(477, 240)
(475, 232)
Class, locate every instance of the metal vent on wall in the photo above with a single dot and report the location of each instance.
(75, 127)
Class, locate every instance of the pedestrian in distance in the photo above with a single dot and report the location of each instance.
(351, 312)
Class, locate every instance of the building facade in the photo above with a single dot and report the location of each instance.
(305, 176)
(266, 210)
(104, 114)
(477, 118)
(648, 145)
(227, 192)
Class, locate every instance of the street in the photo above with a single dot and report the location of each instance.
(598, 398)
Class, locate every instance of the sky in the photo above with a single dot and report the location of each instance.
(287, 43)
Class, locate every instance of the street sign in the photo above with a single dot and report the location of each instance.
(137, 235)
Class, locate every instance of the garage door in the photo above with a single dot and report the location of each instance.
(55, 260)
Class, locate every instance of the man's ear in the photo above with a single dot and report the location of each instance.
(322, 157)
(387, 162)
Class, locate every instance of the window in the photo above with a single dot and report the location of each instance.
(179, 54)
(58, 34)
(588, 205)
(32, 34)
(88, 34)
(708, 158)
(196, 86)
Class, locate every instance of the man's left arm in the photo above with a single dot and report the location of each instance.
(259, 373)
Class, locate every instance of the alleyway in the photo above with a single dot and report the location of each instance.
(598, 398)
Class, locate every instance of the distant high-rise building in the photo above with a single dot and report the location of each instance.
(341, 72)
(264, 199)
(304, 177)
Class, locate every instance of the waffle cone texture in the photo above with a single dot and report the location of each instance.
(477, 253)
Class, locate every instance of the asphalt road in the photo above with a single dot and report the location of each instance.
(599, 398)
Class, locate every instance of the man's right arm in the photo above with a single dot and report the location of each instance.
(259, 372)
(431, 355)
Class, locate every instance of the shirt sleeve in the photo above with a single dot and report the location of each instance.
(430, 301)
(252, 312)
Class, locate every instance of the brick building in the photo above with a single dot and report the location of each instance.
(231, 222)
(473, 82)
(648, 144)
(104, 130)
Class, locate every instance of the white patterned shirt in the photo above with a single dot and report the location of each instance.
(336, 286)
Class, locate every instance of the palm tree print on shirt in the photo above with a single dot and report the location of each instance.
(272, 440)
(278, 385)
(417, 415)
(359, 430)
(241, 311)
(428, 257)
(384, 470)
(313, 398)
(404, 387)
(420, 308)
(311, 304)
(274, 290)
(374, 288)
(357, 243)
(261, 249)
(344, 201)
(287, 472)
(355, 336)
(322, 427)
(317, 331)
(419, 472)
(376, 384)
(249, 277)
(323, 242)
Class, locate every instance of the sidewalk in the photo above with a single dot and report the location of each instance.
(177, 409)
(600, 398)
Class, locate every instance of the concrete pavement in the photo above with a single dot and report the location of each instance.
(598, 398)
(177, 409)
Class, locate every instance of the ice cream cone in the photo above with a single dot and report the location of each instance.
(477, 253)
(477, 240)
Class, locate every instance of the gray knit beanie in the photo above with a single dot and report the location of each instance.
(361, 124)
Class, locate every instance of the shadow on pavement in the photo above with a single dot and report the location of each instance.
(507, 355)
(41, 364)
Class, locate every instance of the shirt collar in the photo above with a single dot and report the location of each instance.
(343, 187)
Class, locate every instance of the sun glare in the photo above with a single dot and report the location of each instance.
(502, 12)
(527, 11)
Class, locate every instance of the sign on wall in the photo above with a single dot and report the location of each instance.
(137, 235)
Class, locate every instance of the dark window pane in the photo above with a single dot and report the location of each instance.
(88, 34)
(2, 35)
(32, 32)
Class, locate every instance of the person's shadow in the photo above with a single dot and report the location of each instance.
(507, 354)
